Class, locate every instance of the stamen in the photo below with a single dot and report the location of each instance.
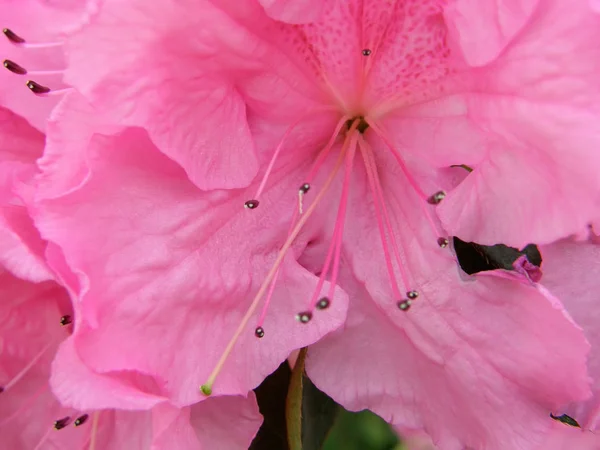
(378, 130)
(251, 204)
(323, 303)
(259, 332)
(26, 369)
(37, 88)
(61, 423)
(95, 420)
(66, 320)
(81, 420)
(442, 242)
(436, 198)
(12, 36)
(304, 317)
(336, 242)
(206, 388)
(412, 294)
(379, 204)
(366, 52)
(14, 67)
(404, 305)
(304, 188)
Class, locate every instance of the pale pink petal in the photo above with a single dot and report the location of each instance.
(540, 99)
(571, 271)
(167, 267)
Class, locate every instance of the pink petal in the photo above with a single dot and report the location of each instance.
(165, 266)
(21, 247)
(484, 28)
(196, 115)
(213, 419)
(476, 362)
(540, 98)
(294, 11)
(571, 272)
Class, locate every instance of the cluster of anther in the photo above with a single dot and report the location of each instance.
(405, 303)
(13, 67)
(62, 423)
(306, 316)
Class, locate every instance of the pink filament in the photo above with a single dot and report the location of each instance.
(377, 129)
(312, 172)
(376, 202)
(287, 133)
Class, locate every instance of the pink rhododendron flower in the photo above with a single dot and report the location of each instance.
(336, 129)
(159, 283)
(34, 322)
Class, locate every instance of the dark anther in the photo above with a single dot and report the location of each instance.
(305, 188)
(366, 52)
(436, 198)
(412, 294)
(304, 317)
(566, 419)
(66, 320)
(259, 332)
(251, 204)
(12, 37)
(81, 420)
(1, 389)
(442, 242)
(463, 166)
(404, 305)
(362, 126)
(37, 88)
(14, 67)
(61, 423)
(323, 303)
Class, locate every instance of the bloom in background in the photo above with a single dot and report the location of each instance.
(337, 126)
(36, 318)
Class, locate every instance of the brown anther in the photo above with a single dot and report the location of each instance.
(37, 88)
(12, 36)
(14, 67)
(304, 317)
(80, 420)
(443, 242)
(323, 303)
(259, 332)
(251, 204)
(61, 423)
(436, 198)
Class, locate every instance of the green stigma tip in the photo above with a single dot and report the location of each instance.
(206, 389)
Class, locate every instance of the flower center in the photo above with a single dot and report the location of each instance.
(354, 140)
